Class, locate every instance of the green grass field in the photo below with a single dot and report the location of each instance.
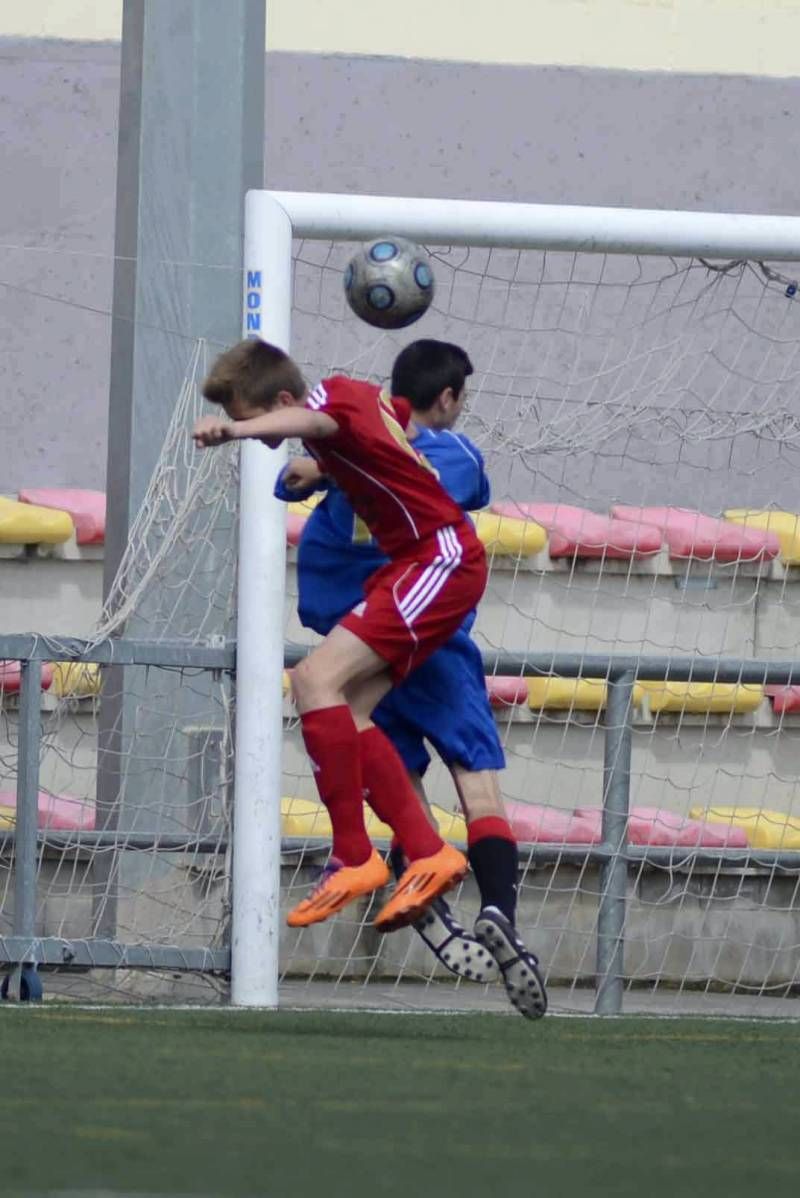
(296, 1103)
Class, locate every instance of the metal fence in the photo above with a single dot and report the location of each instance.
(23, 951)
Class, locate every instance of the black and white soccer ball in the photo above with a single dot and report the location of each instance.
(389, 282)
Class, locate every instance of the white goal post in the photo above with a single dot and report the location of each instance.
(273, 220)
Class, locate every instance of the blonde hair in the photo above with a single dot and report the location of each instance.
(254, 371)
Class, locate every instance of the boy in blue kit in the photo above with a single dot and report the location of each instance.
(445, 700)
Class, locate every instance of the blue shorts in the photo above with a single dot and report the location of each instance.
(445, 702)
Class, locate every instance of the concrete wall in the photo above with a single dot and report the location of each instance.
(342, 122)
(556, 757)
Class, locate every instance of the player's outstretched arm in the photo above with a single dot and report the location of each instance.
(270, 427)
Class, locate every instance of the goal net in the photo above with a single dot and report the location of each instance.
(637, 414)
(133, 894)
(624, 403)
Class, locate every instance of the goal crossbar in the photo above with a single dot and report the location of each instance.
(538, 226)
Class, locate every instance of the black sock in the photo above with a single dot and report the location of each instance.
(397, 860)
(494, 862)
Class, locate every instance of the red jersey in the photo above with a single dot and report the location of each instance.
(390, 486)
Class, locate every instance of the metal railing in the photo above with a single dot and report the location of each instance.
(23, 947)
(613, 855)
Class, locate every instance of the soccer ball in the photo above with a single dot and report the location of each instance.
(389, 283)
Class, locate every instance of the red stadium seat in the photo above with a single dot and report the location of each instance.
(294, 527)
(11, 673)
(507, 691)
(59, 813)
(86, 508)
(654, 825)
(691, 534)
(532, 823)
(785, 699)
(577, 532)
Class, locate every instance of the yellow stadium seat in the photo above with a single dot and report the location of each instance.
(785, 526)
(26, 524)
(376, 829)
(507, 536)
(303, 817)
(8, 816)
(567, 694)
(764, 829)
(452, 825)
(563, 694)
(305, 507)
(79, 679)
(703, 698)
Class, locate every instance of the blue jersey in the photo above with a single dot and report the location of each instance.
(444, 701)
(337, 555)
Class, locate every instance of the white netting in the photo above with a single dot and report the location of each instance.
(604, 358)
(600, 380)
(142, 755)
(175, 580)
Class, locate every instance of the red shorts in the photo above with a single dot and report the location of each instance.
(415, 603)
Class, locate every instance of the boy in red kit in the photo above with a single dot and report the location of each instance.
(435, 575)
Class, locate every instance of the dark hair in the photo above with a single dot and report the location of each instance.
(426, 368)
(255, 371)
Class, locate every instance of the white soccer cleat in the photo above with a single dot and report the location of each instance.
(519, 968)
(459, 952)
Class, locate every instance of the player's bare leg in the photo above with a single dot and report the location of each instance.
(478, 792)
(494, 859)
(335, 671)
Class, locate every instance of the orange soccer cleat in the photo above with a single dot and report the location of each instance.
(423, 881)
(339, 885)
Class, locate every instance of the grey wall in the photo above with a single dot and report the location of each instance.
(340, 124)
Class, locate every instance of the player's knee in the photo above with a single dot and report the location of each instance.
(305, 682)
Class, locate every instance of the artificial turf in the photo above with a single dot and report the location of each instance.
(299, 1103)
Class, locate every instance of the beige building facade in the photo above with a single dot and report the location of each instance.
(749, 37)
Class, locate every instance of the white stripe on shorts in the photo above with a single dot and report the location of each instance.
(433, 577)
(426, 578)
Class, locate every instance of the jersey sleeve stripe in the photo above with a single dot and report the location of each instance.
(317, 398)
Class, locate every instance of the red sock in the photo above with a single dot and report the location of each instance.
(392, 797)
(331, 741)
(489, 825)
